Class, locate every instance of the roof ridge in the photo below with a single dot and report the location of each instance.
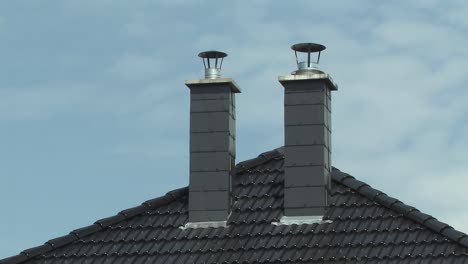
(260, 159)
(394, 204)
(97, 226)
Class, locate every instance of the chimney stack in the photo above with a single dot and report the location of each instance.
(307, 129)
(212, 141)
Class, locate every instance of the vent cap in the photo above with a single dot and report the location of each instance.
(210, 61)
(307, 66)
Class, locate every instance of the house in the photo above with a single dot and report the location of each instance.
(288, 205)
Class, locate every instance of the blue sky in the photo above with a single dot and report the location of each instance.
(94, 112)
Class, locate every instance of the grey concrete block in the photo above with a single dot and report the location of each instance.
(232, 111)
(233, 100)
(328, 179)
(208, 200)
(304, 114)
(305, 86)
(305, 176)
(328, 119)
(211, 141)
(211, 92)
(211, 122)
(211, 161)
(232, 125)
(218, 82)
(309, 211)
(210, 181)
(197, 106)
(232, 146)
(330, 146)
(307, 135)
(305, 156)
(310, 97)
(299, 197)
(207, 216)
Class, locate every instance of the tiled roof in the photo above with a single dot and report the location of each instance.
(365, 226)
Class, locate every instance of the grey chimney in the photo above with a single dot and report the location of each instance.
(307, 129)
(212, 141)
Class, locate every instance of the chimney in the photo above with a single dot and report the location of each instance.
(212, 141)
(307, 130)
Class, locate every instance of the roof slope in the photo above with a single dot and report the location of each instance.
(366, 226)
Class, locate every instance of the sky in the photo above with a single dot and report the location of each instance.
(94, 113)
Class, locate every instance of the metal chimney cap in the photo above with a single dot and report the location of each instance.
(212, 54)
(210, 62)
(308, 47)
(307, 66)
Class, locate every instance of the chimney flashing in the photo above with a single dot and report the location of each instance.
(301, 220)
(211, 224)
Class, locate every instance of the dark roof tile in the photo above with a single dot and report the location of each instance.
(452, 233)
(464, 240)
(385, 200)
(105, 222)
(403, 208)
(130, 212)
(435, 225)
(32, 252)
(84, 231)
(368, 192)
(354, 184)
(63, 240)
(14, 259)
(418, 216)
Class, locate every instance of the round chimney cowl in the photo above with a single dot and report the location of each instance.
(212, 68)
(307, 66)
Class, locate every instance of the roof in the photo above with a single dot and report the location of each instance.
(365, 225)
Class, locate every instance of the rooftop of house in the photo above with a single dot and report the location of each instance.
(361, 225)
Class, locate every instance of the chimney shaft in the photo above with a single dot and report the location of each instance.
(212, 147)
(307, 129)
